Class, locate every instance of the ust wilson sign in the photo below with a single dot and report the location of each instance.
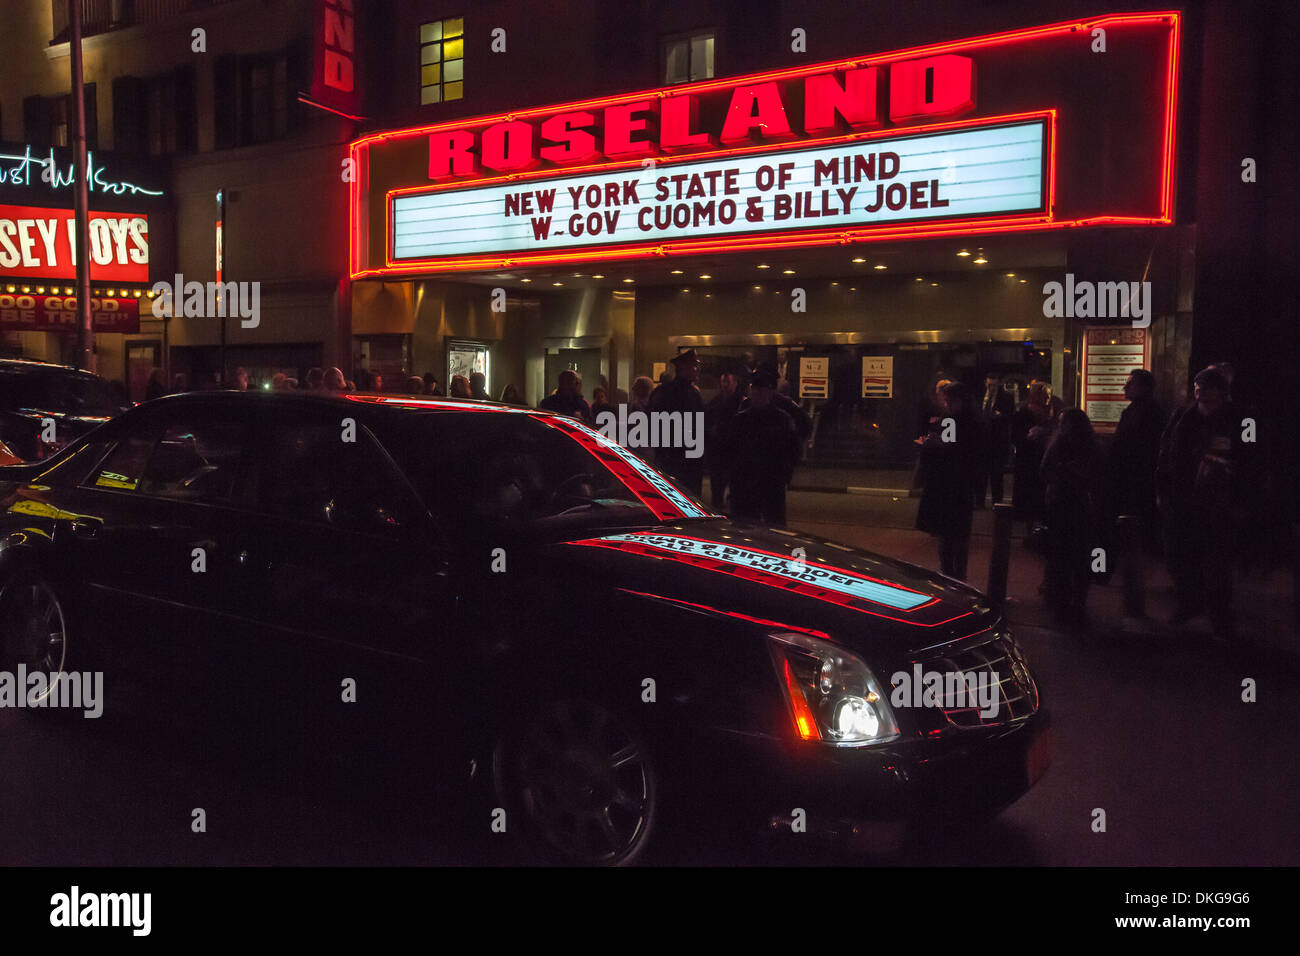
(991, 134)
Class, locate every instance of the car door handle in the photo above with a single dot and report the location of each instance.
(85, 527)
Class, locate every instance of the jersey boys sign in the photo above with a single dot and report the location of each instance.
(996, 133)
(962, 173)
(40, 243)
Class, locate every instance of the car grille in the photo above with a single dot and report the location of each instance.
(995, 658)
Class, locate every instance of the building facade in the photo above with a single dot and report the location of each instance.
(416, 214)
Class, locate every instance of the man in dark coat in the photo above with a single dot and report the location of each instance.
(995, 420)
(1208, 478)
(567, 399)
(764, 447)
(722, 408)
(681, 395)
(950, 458)
(1135, 454)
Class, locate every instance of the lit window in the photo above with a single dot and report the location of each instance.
(442, 60)
(688, 58)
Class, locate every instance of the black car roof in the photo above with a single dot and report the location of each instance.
(366, 401)
(33, 365)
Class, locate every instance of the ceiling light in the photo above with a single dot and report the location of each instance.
(881, 266)
(676, 272)
(963, 253)
(40, 290)
(597, 277)
(980, 261)
(705, 275)
(919, 279)
(788, 272)
(1023, 281)
(629, 281)
(525, 280)
(934, 283)
(764, 266)
(557, 283)
(757, 287)
(1011, 275)
(834, 283)
(859, 260)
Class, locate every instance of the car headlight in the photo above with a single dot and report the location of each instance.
(832, 695)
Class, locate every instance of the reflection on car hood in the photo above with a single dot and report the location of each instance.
(856, 597)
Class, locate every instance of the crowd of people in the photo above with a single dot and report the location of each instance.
(1193, 482)
(754, 433)
(332, 380)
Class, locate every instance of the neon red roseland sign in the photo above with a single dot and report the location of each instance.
(1034, 128)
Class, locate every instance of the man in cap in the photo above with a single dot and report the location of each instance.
(681, 395)
(763, 446)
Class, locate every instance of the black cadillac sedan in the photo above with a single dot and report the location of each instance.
(566, 632)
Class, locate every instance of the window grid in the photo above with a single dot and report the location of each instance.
(442, 61)
(689, 58)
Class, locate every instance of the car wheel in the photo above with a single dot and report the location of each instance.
(33, 626)
(582, 782)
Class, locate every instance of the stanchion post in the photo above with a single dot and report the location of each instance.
(1132, 564)
(1000, 559)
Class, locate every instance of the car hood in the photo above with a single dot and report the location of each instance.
(865, 601)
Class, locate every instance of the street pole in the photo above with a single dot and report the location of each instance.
(81, 196)
(221, 275)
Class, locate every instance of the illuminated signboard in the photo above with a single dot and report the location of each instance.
(39, 243)
(963, 173)
(755, 153)
(54, 313)
(44, 172)
(1110, 353)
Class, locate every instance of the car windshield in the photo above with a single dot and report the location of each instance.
(499, 470)
(56, 390)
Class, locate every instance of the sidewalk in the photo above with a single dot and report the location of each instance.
(1263, 597)
(852, 480)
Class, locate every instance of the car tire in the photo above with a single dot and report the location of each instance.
(33, 627)
(579, 783)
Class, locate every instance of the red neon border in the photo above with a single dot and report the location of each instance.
(359, 149)
(733, 241)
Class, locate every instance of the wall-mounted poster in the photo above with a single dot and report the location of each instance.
(877, 376)
(814, 377)
(1109, 354)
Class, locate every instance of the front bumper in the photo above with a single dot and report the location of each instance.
(951, 775)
